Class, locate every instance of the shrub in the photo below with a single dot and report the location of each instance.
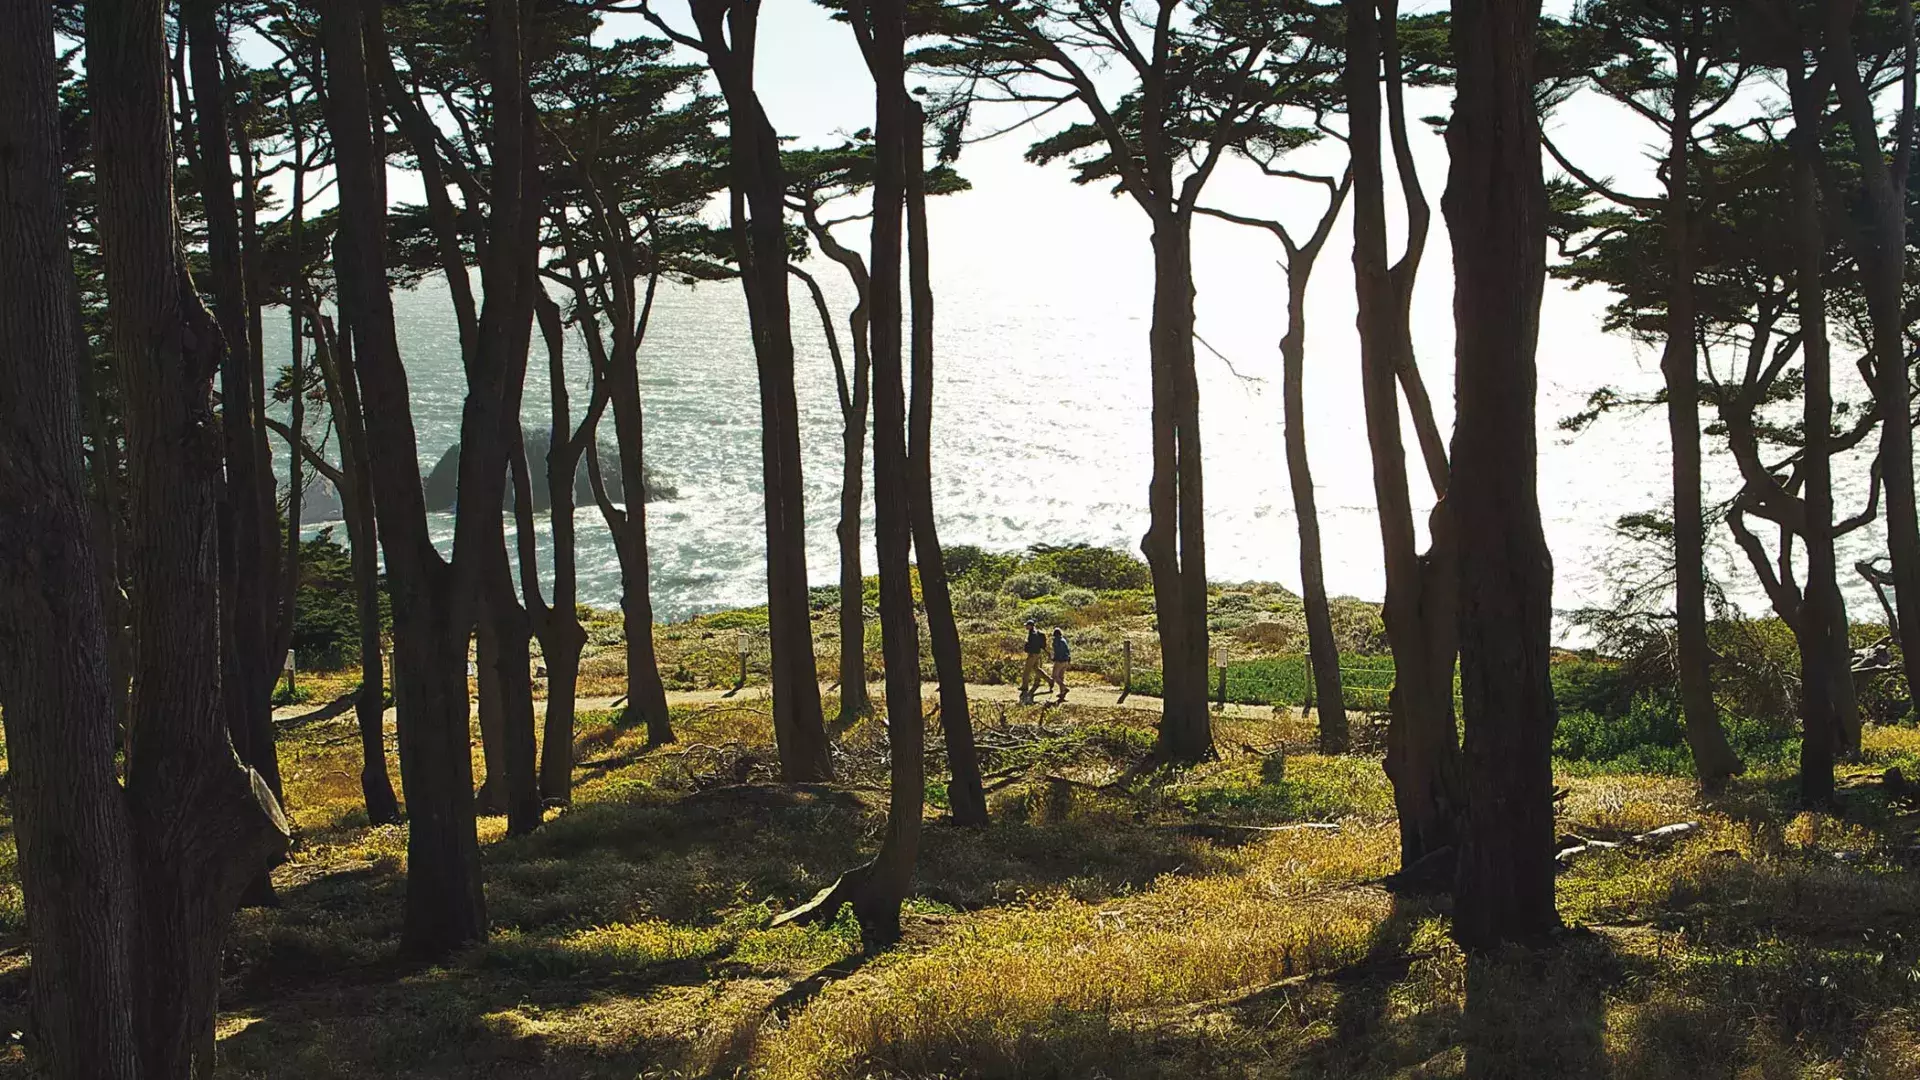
(977, 567)
(1031, 586)
(1078, 598)
(975, 603)
(1045, 612)
(1091, 567)
(326, 623)
(1357, 627)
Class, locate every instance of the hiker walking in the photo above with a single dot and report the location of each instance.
(1062, 656)
(1033, 674)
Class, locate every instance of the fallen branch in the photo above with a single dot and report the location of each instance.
(325, 712)
(826, 903)
(1661, 837)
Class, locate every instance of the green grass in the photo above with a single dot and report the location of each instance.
(1288, 680)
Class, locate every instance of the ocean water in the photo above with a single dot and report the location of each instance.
(1041, 423)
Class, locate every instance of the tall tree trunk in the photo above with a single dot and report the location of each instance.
(1322, 650)
(1174, 544)
(1496, 209)
(646, 693)
(335, 356)
(446, 907)
(1818, 615)
(728, 32)
(854, 701)
(249, 617)
(57, 693)
(1880, 245)
(108, 522)
(369, 702)
(562, 638)
(203, 825)
(490, 797)
(965, 794)
(1422, 750)
(855, 397)
(490, 417)
(1714, 761)
(877, 903)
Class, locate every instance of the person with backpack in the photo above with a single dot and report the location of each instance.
(1062, 656)
(1033, 674)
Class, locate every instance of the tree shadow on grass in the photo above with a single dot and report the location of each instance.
(624, 906)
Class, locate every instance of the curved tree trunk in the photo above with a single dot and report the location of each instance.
(728, 34)
(1322, 650)
(1714, 761)
(877, 902)
(562, 638)
(965, 794)
(1496, 209)
(249, 521)
(854, 401)
(1422, 750)
(1822, 608)
(446, 906)
(646, 693)
(203, 826)
(356, 505)
(57, 691)
(1175, 542)
(1881, 247)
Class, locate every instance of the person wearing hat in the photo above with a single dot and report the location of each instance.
(1034, 673)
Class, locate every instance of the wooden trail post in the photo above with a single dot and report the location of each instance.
(1126, 669)
(1220, 662)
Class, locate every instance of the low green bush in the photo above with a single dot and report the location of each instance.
(1090, 567)
(1031, 586)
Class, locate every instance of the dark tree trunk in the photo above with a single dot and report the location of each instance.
(1496, 215)
(1880, 245)
(1714, 761)
(203, 825)
(1822, 603)
(854, 702)
(512, 659)
(561, 636)
(855, 395)
(108, 523)
(965, 794)
(877, 902)
(250, 622)
(369, 703)
(728, 34)
(1175, 545)
(490, 417)
(356, 501)
(646, 693)
(1422, 749)
(1322, 650)
(488, 706)
(289, 599)
(335, 356)
(445, 904)
(56, 680)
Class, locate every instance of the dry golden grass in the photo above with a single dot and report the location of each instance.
(1089, 932)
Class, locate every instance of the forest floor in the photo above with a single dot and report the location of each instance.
(1093, 930)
